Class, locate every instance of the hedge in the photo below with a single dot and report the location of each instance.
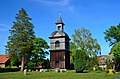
(9, 69)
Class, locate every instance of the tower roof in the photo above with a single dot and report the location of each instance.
(60, 21)
(59, 34)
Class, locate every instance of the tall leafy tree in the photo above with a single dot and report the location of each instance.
(112, 35)
(115, 50)
(20, 39)
(85, 44)
(39, 51)
(73, 51)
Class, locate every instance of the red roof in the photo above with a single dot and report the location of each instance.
(99, 58)
(3, 58)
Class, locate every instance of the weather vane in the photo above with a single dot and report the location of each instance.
(59, 14)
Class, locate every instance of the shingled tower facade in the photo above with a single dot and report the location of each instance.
(59, 47)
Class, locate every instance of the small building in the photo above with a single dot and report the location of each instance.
(102, 61)
(4, 60)
(59, 47)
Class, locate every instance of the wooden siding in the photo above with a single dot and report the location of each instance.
(59, 59)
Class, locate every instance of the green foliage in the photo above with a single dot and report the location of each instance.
(20, 39)
(11, 67)
(109, 65)
(14, 61)
(92, 63)
(40, 46)
(110, 61)
(83, 41)
(46, 64)
(71, 66)
(39, 51)
(80, 61)
(116, 52)
(98, 68)
(112, 35)
(73, 49)
(30, 64)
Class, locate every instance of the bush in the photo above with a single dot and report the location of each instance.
(71, 66)
(11, 66)
(58, 70)
(80, 62)
(99, 69)
(30, 64)
(79, 66)
(9, 69)
(110, 72)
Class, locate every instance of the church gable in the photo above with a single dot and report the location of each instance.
(57, 34)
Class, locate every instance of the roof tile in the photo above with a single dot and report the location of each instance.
(3, 58)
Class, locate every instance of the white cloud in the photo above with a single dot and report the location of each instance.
(55, 2)
(4, 27)
(61, 3)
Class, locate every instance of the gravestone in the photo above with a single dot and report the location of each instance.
(25, 72)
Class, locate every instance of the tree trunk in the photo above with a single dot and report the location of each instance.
(114, 66)
(22, 64)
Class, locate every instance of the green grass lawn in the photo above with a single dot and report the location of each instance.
(56, 75)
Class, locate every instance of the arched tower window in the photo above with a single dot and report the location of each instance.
(57, 44)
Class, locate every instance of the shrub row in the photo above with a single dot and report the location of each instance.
(9, 69)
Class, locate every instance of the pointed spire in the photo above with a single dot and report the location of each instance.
(60, 23)
(60, 20)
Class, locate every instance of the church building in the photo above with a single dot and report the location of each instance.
(59, 47)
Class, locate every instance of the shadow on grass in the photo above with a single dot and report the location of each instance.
(28, 74)
(85, 71)
(116, 77)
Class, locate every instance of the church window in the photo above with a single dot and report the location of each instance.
(57, 44)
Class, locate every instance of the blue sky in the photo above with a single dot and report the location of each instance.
(96, 15)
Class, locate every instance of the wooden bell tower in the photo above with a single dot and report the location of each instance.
(59, 47)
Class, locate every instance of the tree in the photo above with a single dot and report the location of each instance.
(116, 52)
(110, 61)
(20, 39)
(80, 61)
(73, 51)
(86, 46)
(39, 51)
(46, 64)
(112, 34)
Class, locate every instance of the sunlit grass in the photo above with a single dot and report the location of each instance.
(56, 75)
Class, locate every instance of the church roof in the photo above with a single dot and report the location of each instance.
(59, 34)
